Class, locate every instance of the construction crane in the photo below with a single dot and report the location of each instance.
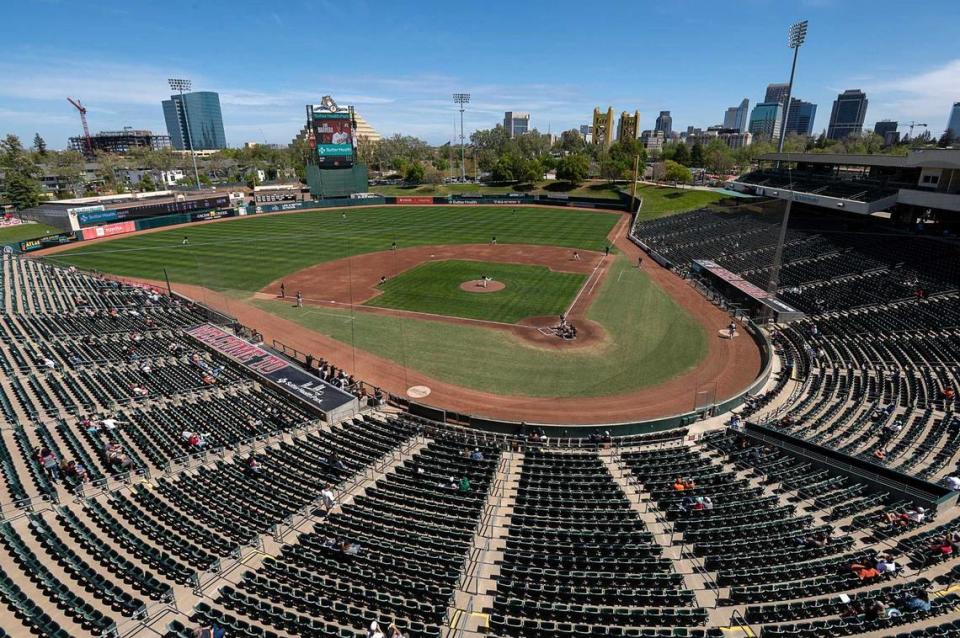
(83, 120)
(912, 124)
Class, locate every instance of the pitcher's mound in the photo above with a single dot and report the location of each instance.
(476, 285)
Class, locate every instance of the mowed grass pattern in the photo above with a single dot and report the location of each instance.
(650, 339)
(434, 287)
(245, 254)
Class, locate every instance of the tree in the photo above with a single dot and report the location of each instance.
(415, 173)
(573, 168)
(681, 154)
(696, 155)
(718, 157)
(528, 171)
(107, 170)
(502, 171)
(253, 179)
(946, 139)
(441, 164)
(147, 184)
(676, 172)
(618, 160)
(21, 180)
(571, 141)
(39, 145)
(22, 191)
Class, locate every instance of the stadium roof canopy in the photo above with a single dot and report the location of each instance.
(926, 158)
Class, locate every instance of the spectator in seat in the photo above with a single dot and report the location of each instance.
(374, 631)
(875, 610)
(865, 571)
(253, 465)
(329, 502)
(953, 482)
(50, 464)
(464, 485)
(393, 632)
(209, 631)
(942, 548)
(919, 601)
(886, 566)
(476, 455)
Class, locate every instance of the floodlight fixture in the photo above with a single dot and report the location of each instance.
(461, 99)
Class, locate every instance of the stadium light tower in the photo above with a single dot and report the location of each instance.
(181, 86)
(795, 38)
(461, 99)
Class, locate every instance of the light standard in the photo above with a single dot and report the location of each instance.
(796, 35)
(461, 99)
(181, 86)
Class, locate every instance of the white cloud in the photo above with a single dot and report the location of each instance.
(924, 96)
(130, 94)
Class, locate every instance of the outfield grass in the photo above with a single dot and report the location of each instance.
(434, 287)
(660, 201)
(20, 232)
(243, 255)
(651, 339)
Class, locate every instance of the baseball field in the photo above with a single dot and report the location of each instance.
(401, 287)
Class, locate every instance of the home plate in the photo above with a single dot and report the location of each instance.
(418, 391)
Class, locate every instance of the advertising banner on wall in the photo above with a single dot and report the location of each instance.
(262, 361)
(333, 138)
(109, 230)
(46, 241)
(420, 201)
(97, 217)
(208, 215)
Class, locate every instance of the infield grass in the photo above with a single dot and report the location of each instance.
(243, 255)
(434, 287)
(650, 340)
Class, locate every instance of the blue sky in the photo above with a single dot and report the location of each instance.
(398, 61)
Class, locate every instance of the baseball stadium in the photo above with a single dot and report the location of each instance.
(662, 413)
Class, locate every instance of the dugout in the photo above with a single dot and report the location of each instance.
(741, 292)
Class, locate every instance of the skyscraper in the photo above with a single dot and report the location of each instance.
(849, 111)
(516, 123)
(887, 129)
(204, 119)
(953, 123)
(882, 127)
(664, 123)
(737, 117)
(765, 121)
(800, 117)
(777, 93)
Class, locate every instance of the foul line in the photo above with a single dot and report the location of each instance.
(584, 286)
(415, 313)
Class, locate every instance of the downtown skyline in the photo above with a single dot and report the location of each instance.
(406, 89)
